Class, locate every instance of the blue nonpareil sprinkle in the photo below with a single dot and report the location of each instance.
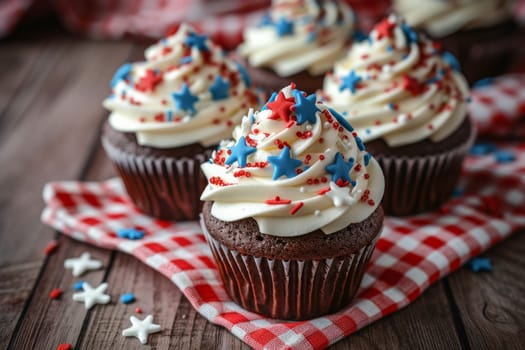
(77, 286)
(130, 233)
(266, 20)
(360, 144)
(366, 158)
(483, 83)
(127, 298)
(481, 149)
(480, 264)
(169, 116)
(451, 60)
(457, 192)
(389, 48)
(311, 37)
(392, 106)
(504, 156)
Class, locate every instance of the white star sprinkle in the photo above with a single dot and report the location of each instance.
(340, 195)
(91, 296)
(140, 329)
(82, 264)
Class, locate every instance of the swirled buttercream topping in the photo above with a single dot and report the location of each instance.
(186, 91)
(397, 85)
(299, 35)
(440, 18)
(295, 166)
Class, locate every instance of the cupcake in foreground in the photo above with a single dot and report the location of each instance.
(168, 113)
(297, 41)
(480, 33)
(292, 209)
(408, 102)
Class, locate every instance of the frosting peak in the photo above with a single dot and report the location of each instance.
(186, 91)
(399, 86)
(299, 35)
(295, 166)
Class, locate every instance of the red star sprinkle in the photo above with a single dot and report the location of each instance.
(281, 107)
(384, 29)
(149, 81)
(55, 293)
(412, 85)
(64, 346)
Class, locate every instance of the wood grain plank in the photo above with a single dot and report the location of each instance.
(56, 124)
(16, 284)
(49, 322)
(492, 305)
(425, 324)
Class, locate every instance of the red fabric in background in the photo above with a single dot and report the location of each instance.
(223, 20)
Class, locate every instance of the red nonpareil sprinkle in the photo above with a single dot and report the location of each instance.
(277, 200)
(296, 208)
(367, 176)
(218, 181)
(138, 310)
(55, 293)
(216, 121)
(51, 247)
(357, 167)
(64, 346)
(159, 117)
(371, 202)
(166, 50)
(321, 157)
(323, 191)
(222, 109)
(164, 102)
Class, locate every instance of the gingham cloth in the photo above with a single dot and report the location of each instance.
(411, 254)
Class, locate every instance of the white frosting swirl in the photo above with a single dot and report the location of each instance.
(440, 18)
(185, 92)
(295, 167)
(299, 35)
(398, 86)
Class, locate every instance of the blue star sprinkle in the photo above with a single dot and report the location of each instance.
(219, 88)
(122, 73)
(244, 74)
(350, 82)
(451, 60)
(77, 286)
(481, 149)
(184, 100)
(284, 27)
(341, 120)
(196, 40)
(239, 153)
(305, 108)
(127, 298)
(480, 264)
(284, 164)
(340, 169)
(410, 34)
(130, 233)
(504, 156)
(483, 83)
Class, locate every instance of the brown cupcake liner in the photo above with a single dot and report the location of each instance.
(417, 184)
(290, 289)
(162, 187)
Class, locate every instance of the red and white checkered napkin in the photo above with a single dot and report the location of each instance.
(498, 107)
(411, 254)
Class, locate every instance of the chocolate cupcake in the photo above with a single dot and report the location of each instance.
(480, 33)
(297, 41)
(292, 213)
(167, 115)
(408, 102)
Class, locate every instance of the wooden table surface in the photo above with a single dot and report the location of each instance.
(52, 85)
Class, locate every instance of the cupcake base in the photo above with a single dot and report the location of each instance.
(422, 176)
(293, 281)
(163, 183)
